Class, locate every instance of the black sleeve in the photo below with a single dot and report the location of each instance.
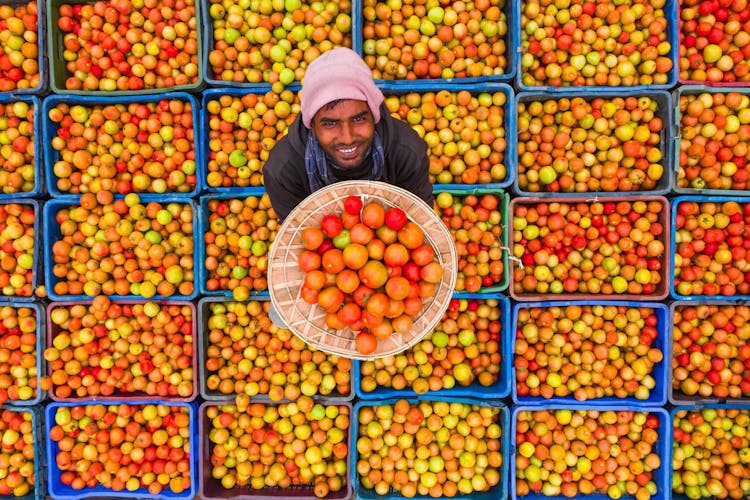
(413, 165)
(283, 185)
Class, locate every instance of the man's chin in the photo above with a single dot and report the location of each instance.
(347, 163)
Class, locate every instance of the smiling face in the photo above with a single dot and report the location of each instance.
(345, 130)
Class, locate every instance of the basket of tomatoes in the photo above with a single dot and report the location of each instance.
(362, 269)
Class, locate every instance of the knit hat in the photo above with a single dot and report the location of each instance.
(338, 74)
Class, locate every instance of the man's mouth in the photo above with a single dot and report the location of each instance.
(348, 151)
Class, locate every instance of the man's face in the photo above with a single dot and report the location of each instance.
(345, 131)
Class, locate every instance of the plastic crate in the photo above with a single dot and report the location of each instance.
(204, 133)
(59, 73)
(204, 314)
(200, 244)
(210, 42)
(498, 390)
(675, 396)
(43, 86)
(672, 415)
(498, 491)
(663, 447)
(505, 212)
(38, 158)
(40, 462)
(662, 289)
(658, 395)
(684, 81)
(53, 330)
(41, 395)
(60, 491)
(211, 489)
(666, 138)
(38, 256)
(52, 234)
(675, 202)
(49, 131)
(673, 30)
(675, 171)
(512, 13)
(509, 122)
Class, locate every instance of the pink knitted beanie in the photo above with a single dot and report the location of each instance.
(338, 74)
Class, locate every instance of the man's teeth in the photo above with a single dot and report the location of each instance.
(348, 151)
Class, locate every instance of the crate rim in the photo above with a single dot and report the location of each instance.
(49, 129)
(662, 477)
(120, 396)
(39, 183)
(667, 147)
(685, 401)
(505, 443)
(53, 469)
(539, 402)
(666, 266)
(52, 42)
(50, 280)
(674, 202)
(694, 89)
(228, 398)
(205, 445)
(673, 28)
(498, 390)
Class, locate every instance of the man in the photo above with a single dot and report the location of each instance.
(343, 132)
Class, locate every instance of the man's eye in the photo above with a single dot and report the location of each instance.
(359, 118)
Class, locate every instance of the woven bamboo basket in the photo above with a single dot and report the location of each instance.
(285, 277)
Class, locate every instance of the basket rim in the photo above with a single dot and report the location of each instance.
(446, 254)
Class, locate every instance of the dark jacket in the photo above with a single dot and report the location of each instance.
(406, 164)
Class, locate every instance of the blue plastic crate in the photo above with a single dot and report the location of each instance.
(512, 41)
(59, 72)
(663, 447)
(38, 189)
(200, 242)
(211, 489)
(675, 170)
(53, 330)
(499, 491)
(40, 346)
(60, 491)
(504, 205)
(204, 132)
(662, 288)
(498, 390)
(38, 256)
(43, 86)
(204, 314)
(675, 396)
(675, 202)
(52, 234)
(673, 29)
(666, 144)
(509, 121)
(658, 395)
(209, 43)
(49, 131)
(40, 491)
(672, 415)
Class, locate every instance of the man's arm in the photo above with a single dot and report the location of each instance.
(284, 184)
(410, 163)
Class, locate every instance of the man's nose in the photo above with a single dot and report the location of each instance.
(346, 133)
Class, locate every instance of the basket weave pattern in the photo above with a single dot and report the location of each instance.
(285, 277)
